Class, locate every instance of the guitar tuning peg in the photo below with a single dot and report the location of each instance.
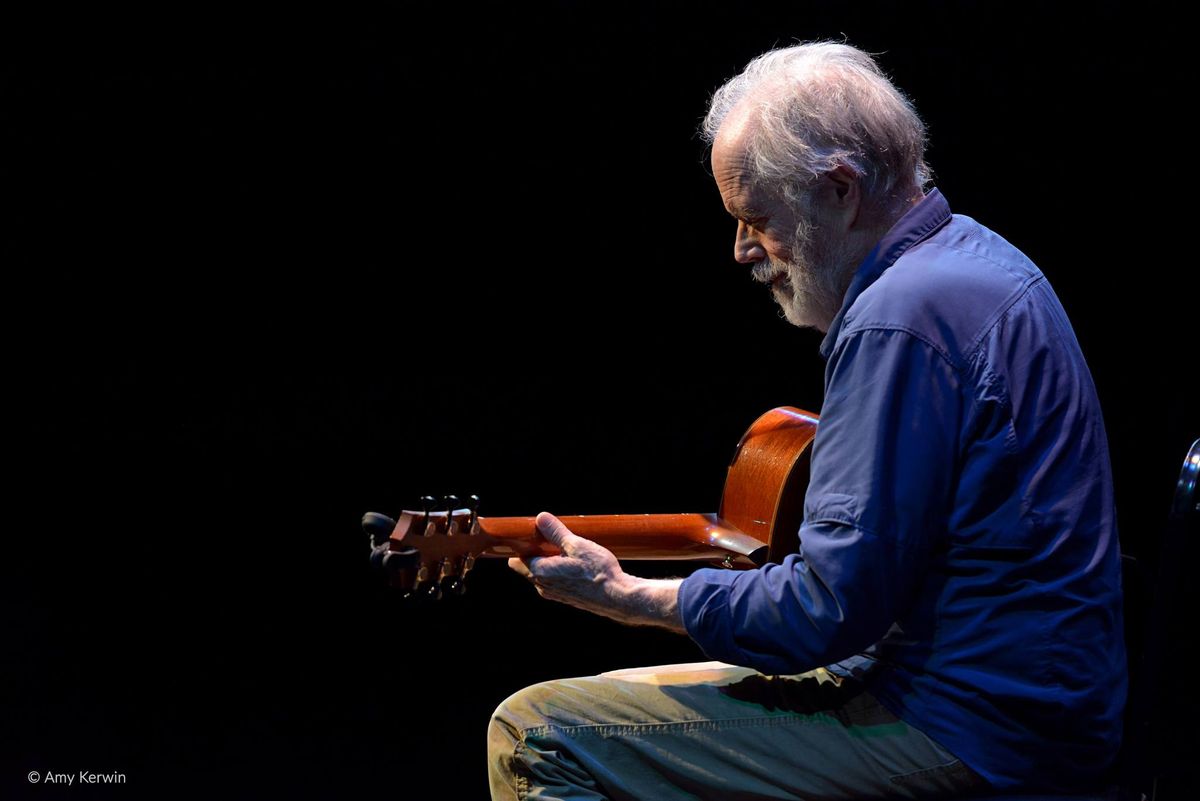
(473, 505)
(427, 503)
(457, 583)
(422, 593)
(378, 526)
(451, 502)
(436, 583)
(452, 578)
(424, 585)
(398, 568)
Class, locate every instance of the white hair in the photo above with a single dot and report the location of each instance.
(820, 105)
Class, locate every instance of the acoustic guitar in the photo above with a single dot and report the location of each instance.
(762, 504)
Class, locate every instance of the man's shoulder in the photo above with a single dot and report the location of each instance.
(949, 289)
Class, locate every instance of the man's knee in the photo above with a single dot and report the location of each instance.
(545, 704)
(535, 708)
(507, 728)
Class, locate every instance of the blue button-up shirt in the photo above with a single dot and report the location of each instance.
(959, 548)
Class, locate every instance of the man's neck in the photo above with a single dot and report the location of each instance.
(869, 238)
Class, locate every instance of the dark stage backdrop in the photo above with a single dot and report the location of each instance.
(261, 282)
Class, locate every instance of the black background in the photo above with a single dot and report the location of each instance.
(261, 281)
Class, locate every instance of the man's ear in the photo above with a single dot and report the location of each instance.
(841, 194)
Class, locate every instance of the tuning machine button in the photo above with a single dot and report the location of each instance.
(379, 527)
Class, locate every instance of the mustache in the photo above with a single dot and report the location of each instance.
(764, 271)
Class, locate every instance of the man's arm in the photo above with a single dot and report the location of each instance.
(588, 576)
(882, 482)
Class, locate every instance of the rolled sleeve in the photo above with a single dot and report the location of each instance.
(879, 497)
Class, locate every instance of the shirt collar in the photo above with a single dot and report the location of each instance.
(917, 223)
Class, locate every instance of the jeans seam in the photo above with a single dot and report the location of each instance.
(949, 768)
(703, 724)
(520, 782)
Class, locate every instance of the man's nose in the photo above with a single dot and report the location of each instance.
(746, 247)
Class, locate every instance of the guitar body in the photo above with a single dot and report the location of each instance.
(762, 506)
(764, 489)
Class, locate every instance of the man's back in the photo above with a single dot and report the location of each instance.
(1017, 622)
(958, 550)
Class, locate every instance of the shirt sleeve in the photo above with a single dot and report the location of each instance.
(879, 497)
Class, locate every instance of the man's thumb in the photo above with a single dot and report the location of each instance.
(553, 530)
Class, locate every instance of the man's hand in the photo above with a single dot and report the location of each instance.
(588, 576)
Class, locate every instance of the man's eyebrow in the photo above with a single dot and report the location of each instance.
(742, 211)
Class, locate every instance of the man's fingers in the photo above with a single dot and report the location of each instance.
(569, 565)
(542, 566)
(555, 531)
(518, 564)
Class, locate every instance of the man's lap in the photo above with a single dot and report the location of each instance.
(710, 730)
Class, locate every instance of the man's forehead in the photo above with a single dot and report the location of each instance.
(729, 157)
(731, 171)
(731, 166)
(731, 140)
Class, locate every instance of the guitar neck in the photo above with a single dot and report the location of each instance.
(763, 500)
(671, 536)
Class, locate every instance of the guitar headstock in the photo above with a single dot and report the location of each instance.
(428, 553)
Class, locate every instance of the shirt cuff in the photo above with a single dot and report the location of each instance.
(704, 607)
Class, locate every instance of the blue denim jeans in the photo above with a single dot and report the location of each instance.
(708, 730)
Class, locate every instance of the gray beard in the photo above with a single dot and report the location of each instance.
(818, 275)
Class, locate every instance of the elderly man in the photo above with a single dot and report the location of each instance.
(953, 619)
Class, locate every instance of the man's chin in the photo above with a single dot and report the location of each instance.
(799, 304)
(809, 325)
(800, 316)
